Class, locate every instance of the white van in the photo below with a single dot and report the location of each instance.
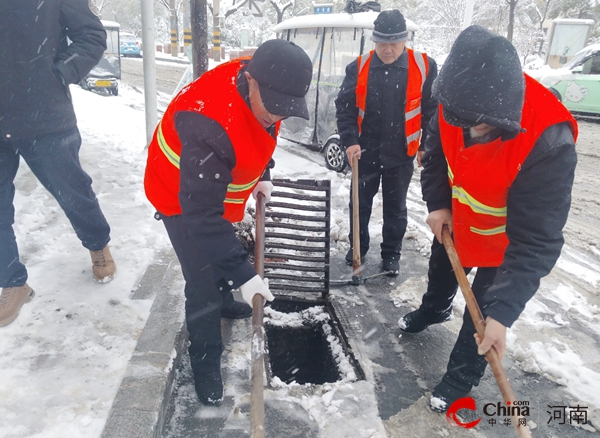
(332, 41)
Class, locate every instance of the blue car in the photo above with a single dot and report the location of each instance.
(130, 45)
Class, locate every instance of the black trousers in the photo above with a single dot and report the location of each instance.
(466, 366)
(394, 185)
(204, 298)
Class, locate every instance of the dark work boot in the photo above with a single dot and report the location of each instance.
(209, 387)
(419, 320)
(236, 310)
(391, 267)
(447, 393)
(350, 257)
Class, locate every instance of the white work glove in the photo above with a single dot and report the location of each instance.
(266, 187)
(254, 286)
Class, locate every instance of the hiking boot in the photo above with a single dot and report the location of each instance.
(237, 310)
(350, 257)
(11, 301)
(103, 265)
(209, 387)
(419, 320)
(391, 267)
(444, 395)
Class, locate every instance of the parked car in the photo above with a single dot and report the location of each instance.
(130, 45)
(577, 84)
(332, 41)
(104, 77)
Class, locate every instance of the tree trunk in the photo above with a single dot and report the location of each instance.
(512, 4)
(279, 11)
(199, 35)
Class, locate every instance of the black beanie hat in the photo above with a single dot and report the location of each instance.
(389, 27)
(481, 81)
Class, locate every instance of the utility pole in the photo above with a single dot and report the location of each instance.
(468, 14)
(199, 37)
(149, 64)
(216, 32)
(174, 32)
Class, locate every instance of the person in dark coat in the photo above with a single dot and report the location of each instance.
(498, 170)
(204, 163)
(37, 123)
(386, 137)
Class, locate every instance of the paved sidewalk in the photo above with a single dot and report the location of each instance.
(139, 406)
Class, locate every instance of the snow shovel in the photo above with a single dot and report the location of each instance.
(356, 265)
(492, 355)
(257, 403)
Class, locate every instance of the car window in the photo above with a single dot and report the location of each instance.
(595, 64)
(128, 38)
(577, 60)
(591, 66)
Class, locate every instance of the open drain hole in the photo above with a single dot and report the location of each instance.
(305, 346)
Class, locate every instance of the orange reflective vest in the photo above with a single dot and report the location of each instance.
(216, 96)
(418, 67)
(481, 176)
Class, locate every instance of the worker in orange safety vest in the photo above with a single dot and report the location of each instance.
(498, 170)
(384, 103)
(210, 152)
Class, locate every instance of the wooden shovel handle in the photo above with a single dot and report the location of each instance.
(355, 221)
(492, 355)
(257, 402)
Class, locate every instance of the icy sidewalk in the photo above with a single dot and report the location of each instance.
(63, 359)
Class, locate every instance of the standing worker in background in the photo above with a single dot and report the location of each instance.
(384, 103)
(498, 170)
(37, 123)
(208, 154)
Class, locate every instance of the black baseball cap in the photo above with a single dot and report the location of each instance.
(283, 72)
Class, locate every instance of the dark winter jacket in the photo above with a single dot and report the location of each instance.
(201, 199)
(382, 139)
(537, 209)
(37, 64)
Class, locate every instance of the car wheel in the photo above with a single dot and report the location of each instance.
(114, 91)
(556, 94)
(335, 156)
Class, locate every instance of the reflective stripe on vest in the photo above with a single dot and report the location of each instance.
(170, 154)
(462, 196)
(418, 68)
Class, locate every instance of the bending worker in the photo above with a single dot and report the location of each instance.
(208, 154)
(384, 102)
(498, 170)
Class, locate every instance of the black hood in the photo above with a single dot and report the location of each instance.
(481, 81)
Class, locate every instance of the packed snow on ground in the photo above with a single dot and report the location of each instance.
(63, 359)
